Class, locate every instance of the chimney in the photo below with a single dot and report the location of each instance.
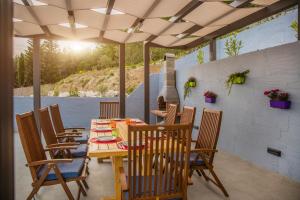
(169, 91)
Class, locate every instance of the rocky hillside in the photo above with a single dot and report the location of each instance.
(96, 83)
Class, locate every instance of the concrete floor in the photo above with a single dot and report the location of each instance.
(242, 180)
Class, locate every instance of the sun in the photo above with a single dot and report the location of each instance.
(76, 46)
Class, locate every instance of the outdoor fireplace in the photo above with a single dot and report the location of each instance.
(168, 93)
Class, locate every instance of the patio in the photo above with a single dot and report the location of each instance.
(242, 179)
(249, 130)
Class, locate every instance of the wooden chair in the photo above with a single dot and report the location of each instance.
(61, 130)
(165, 181)
(45, 171)
(109, 110)
(171, 114)
(188, 115)
(54, 140)
(202, 156)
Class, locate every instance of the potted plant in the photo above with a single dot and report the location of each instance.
(278, 99)
(236, 78)
(191, 83)
(210, 97)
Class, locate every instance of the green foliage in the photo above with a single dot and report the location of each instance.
(102, 89)
(294, 26)
(56, 92)
(130, 89)
(84, 82)
(21, 71)
(73, 92)
(233, 45)
(236, 78)
(200, 56)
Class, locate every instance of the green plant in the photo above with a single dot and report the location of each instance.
(73, 92)
(191, 83)
(84, 82)
(130, 89)
(56, 93)
(294, 26)
(233, 45)
(200, 56)
(236, 78)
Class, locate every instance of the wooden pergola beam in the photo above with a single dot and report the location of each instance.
(212, 50)
(252, 18)
(122, 84)
(179, 16)
(109, 7)
(6, 101)
(138, 22)
(32, 13)
(146, 53)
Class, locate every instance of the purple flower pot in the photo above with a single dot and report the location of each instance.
(280, 104)
(210, 99)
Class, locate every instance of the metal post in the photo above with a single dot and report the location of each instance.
(122, 79)
(212, 50)
(146, 83)
(6, 101)
(36, 79)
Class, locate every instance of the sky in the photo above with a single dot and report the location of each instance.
(20, 44)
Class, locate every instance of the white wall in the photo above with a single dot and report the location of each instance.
(249, 125)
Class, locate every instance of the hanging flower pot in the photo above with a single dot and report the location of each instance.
(191, 83)
(210, 97)
(280, 104)
(278, 99)
(236, 78)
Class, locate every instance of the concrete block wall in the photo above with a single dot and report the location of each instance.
(249, 125)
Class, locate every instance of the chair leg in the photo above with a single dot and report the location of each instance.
(63, 183)
(219, 182)
(81, 188)
(100, 160)
(85, 184)
(198, 172)
(204, 175)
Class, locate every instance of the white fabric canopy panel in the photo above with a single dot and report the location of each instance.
(138, 37)
(116, 35)
(50, 15)
(206, 30)
(165, 40)
(184, 41)
(178, 28)
(26, 28)
(207, 12)
(264, 2)
(77, 4)
(122, 21)
(81, 34)
(154, 26)
(21, 12)
(84, 17)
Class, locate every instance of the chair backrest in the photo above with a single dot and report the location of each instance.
(47, 127)
(109, 110)
(188, 115)
(209, 131)
(30, 140)
(171, 114)
(56, 119)
(168, 177)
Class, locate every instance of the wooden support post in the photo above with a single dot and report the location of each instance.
(36, 79)
(212, 50)
(122, 80)
(298, 20)
(6, 101)
(146, 82)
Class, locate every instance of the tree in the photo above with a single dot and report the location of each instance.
(28, 55)
(200, 56)
(20, 70)
(233, 45)
(294, 26)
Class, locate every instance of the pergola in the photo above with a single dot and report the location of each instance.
(181, 24)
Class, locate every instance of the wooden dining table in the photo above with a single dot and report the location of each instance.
(112, 150)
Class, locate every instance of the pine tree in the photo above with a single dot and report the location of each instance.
(21, 70)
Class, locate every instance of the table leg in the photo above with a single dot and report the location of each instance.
(117, 162)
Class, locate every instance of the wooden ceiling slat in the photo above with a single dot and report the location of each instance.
(109, 7)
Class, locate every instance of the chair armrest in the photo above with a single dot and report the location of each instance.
(68, 136)
(53, 161)
(60, 148)
(75, 129)
(69, 133)
(204, 150)
(194, 141)
(123, 180)
(63, 144)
